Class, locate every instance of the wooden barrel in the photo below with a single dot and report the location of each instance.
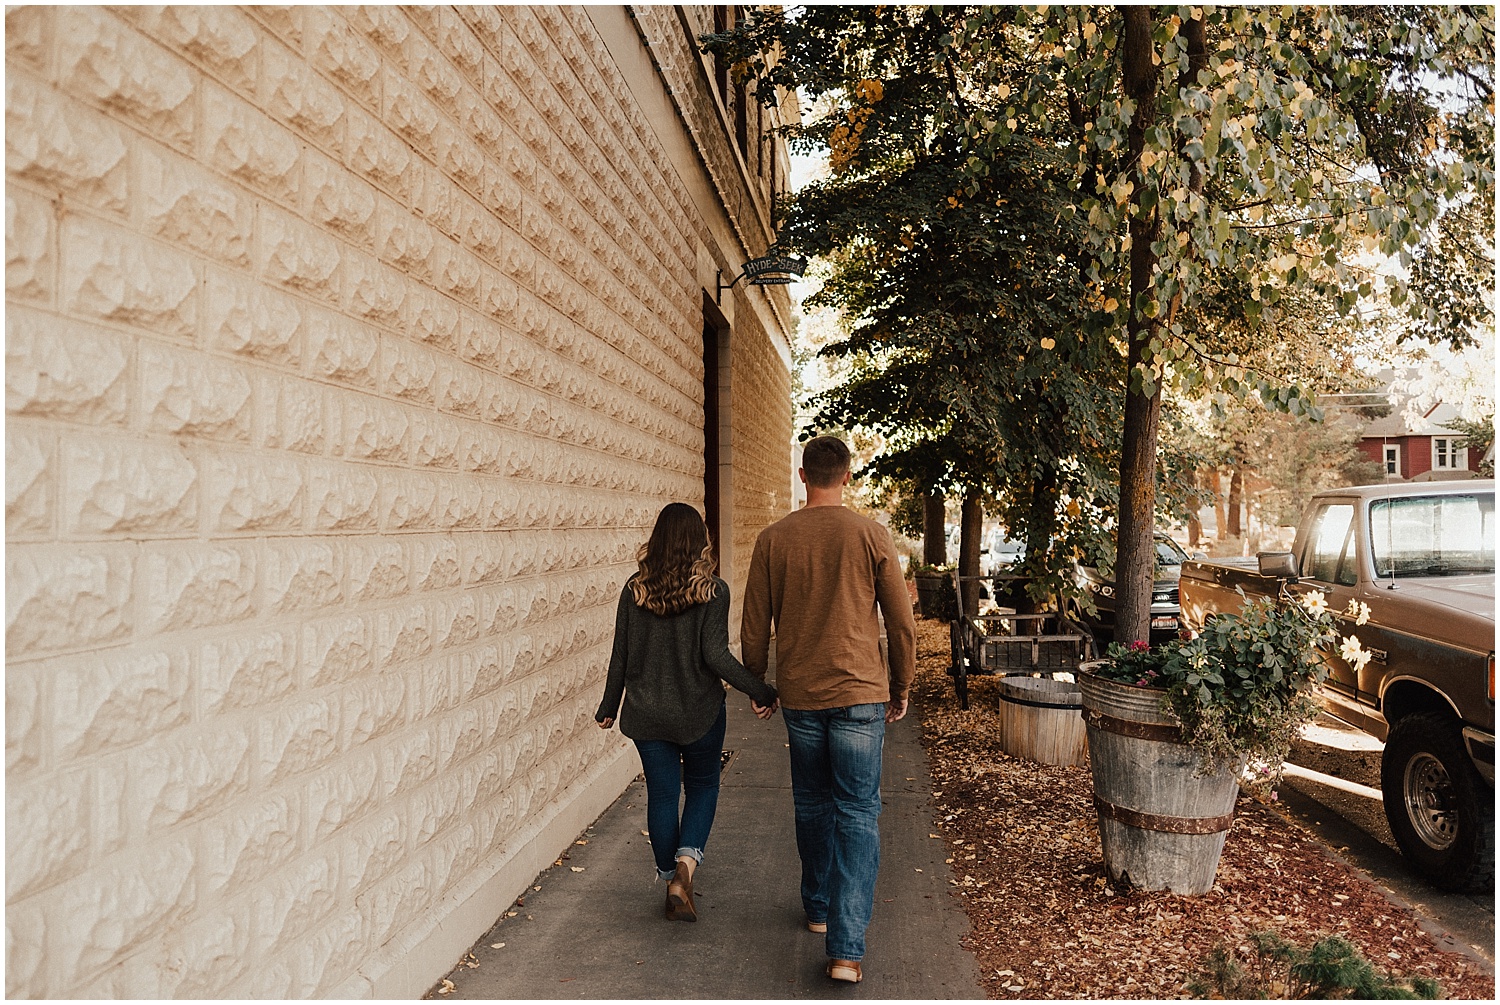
(1039, 720)
(1162, 824)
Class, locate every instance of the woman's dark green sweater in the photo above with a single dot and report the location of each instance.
(669, 669)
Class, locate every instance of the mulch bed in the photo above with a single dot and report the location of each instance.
(1045, 921)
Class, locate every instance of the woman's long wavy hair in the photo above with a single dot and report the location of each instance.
(676, 565)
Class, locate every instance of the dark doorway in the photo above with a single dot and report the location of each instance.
(715, 406)
(711, 433)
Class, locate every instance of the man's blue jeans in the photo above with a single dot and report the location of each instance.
(672, 769)
(836, 794)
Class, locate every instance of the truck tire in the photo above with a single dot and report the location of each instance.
(1440, 809)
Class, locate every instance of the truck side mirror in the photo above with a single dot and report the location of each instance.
(1281, 564)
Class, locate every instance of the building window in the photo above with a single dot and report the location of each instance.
(1392, 459)
(1449, 454)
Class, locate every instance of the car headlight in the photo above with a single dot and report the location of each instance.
(1106, 591)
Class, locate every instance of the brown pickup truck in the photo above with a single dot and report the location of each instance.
(1422, 556)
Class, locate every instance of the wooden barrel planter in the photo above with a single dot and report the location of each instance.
(1039, 720)
(1162, 824)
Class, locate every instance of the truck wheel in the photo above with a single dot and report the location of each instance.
(1440, 810)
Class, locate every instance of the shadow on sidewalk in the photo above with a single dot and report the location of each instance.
(595, 928)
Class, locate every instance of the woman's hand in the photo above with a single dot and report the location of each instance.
(765, 711)
(605, 723)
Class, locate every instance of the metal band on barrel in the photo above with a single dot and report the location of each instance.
(1038, 704)
(1163, 732)
(1163, 824)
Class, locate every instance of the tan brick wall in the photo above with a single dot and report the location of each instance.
(349, 354)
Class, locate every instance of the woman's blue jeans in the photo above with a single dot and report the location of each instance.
(673, 769)
(836, 797)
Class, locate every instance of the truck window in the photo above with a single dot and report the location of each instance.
(1443, 535)
(1330, 531)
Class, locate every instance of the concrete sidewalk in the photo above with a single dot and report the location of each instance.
(599, 932)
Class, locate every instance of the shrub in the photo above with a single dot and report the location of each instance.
(1275, 968)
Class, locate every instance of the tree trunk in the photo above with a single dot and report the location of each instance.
(1135, 556)
(1221, 511)
(970, 530)
(1233, 527)
(1195, 525)
(1041, 524)
(934, 529)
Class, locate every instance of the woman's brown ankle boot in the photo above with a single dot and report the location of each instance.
(680, 895)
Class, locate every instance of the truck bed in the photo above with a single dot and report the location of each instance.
(1216, 584)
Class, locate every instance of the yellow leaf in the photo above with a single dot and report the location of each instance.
(1111, 304)
(1048, 343)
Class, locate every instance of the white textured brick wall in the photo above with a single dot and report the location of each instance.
(349, 354)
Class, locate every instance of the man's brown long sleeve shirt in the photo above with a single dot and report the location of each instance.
(818, 575)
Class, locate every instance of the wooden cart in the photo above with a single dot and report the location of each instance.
(1012, 644)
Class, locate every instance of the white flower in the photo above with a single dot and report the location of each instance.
(1364, 613)
(1316, 602)
(1353, 653)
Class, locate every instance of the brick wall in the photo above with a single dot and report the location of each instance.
(350, 353)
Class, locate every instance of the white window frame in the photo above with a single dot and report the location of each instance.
(1450, 457)
(1393, 458)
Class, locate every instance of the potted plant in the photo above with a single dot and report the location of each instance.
(1172, 729)
(935, 596)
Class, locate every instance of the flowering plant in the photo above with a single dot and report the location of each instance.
(1241, 688)
(1136, 663)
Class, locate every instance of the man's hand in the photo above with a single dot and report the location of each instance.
(765, 711)
(895, 711)
(605, 723)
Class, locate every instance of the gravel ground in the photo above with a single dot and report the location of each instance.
(1047, 923)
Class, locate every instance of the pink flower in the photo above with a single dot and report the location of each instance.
(1139, 647)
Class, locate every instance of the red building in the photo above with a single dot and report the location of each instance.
(1418, 446)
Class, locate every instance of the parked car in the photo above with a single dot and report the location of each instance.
(1002, 553)
(1421, 558)
(1166, 612)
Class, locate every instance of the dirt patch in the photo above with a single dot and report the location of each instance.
(1047, 923)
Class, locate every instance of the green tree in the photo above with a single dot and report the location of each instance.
(967, 347)
(1229, 156)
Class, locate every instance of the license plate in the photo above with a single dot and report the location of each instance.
(1164, 623)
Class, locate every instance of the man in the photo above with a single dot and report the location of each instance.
(818, 576)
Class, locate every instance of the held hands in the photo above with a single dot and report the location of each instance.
(605, 723)
(765, 711)
(895, 711)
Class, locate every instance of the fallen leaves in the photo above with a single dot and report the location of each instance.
(1045, 920)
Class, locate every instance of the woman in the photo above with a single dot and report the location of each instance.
(671, 650)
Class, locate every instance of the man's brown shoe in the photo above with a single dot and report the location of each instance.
(680, 896)
(845, 970)
(817, 927)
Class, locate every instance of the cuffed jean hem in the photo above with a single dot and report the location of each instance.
(696, 854)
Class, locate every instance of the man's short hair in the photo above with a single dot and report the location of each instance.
(825, 459)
